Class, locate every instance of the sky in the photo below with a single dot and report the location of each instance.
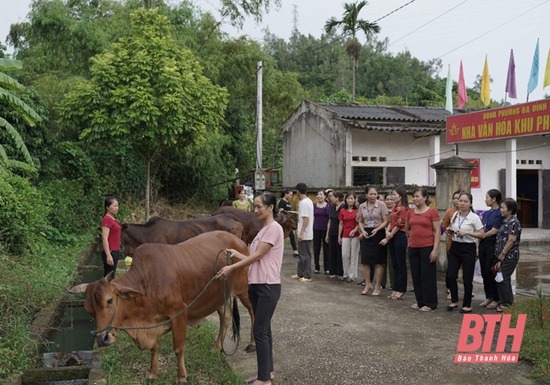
(452, 30)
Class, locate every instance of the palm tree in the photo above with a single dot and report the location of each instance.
(350, 24)
(8, 89)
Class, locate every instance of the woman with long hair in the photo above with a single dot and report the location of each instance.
(465, 228)
(264, 281)
(347, 237)
(424, 229)
(396, 238)
(507, 252)
(492, 220)
(372, 218)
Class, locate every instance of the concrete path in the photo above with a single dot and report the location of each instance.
(325, 332)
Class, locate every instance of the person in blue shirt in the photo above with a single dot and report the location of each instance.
(492, 220)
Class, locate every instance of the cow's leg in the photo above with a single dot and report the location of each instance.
(154, 368)
(224, 312)
(179, 333)
(245, 300)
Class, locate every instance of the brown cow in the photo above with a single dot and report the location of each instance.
(162, 292)
(160, 230)
(252, 225)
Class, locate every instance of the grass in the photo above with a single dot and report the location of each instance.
(535, 347)
(125, 364)
(29, 283)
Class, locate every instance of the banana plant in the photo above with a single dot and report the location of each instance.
(9, 89)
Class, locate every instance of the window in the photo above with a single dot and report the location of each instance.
(363, 176)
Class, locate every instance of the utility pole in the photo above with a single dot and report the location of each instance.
(259, 175)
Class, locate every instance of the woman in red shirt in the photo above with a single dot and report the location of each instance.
(424, 229)
(110, 237)
(347, 237)
(396, 239)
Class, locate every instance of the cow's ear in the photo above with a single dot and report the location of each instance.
(124, 225)
(125, 292)
(78, 289)
(109, 277)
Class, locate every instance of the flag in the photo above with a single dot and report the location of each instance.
(534, 77)
(449, 92)
(547, 72)
(511, 78)
(462, 94)
(485, 85)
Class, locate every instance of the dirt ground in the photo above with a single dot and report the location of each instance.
(325, 332)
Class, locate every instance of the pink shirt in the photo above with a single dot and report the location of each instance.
(268, 268)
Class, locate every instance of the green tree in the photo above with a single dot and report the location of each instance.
(350, 25)
(8, 94)
(149, 91)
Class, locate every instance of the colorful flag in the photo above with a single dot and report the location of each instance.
(462, 94)
(547, 72)
(449, 92)
(511, 78)
(485, 85)
(534, 77)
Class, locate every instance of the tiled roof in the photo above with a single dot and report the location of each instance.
(388, 113)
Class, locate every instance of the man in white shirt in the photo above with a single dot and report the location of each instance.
(305, 234)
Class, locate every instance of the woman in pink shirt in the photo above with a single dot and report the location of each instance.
(110, 237)
(264, 281)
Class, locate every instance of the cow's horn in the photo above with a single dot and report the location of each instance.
(78, 288)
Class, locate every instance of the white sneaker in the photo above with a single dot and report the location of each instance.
(304, 279)
(295, 276)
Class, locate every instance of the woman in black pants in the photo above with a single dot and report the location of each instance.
(492, 220)
(336, 267)
(507, 252)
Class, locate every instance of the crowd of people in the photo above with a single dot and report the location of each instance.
(380, 232)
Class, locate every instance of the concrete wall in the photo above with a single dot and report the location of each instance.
(314, 150)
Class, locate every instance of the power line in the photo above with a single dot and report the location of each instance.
(493, 29)
(425, 24)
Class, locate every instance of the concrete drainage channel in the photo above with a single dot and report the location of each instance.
(64, 327)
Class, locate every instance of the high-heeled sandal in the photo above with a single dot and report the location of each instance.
(376, 292)
(366, 289)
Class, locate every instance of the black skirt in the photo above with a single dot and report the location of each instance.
(372, 253)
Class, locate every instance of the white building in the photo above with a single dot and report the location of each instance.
(345, 145)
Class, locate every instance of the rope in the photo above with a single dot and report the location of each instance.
(227, 292)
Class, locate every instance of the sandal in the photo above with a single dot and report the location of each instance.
(398, 296)
(452, 306)
(376, 292)
(493, 305)
(486, 302)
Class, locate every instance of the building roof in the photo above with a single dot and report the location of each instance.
(390, 118)
(397, 113)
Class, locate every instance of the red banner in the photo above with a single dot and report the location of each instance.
(524, 119)
(475, 181)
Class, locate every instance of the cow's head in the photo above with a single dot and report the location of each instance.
(287, 222)
(104, 302)
(127, 241)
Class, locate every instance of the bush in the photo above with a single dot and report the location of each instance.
(22, 213)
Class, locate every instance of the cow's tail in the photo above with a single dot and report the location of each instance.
(236, 320)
